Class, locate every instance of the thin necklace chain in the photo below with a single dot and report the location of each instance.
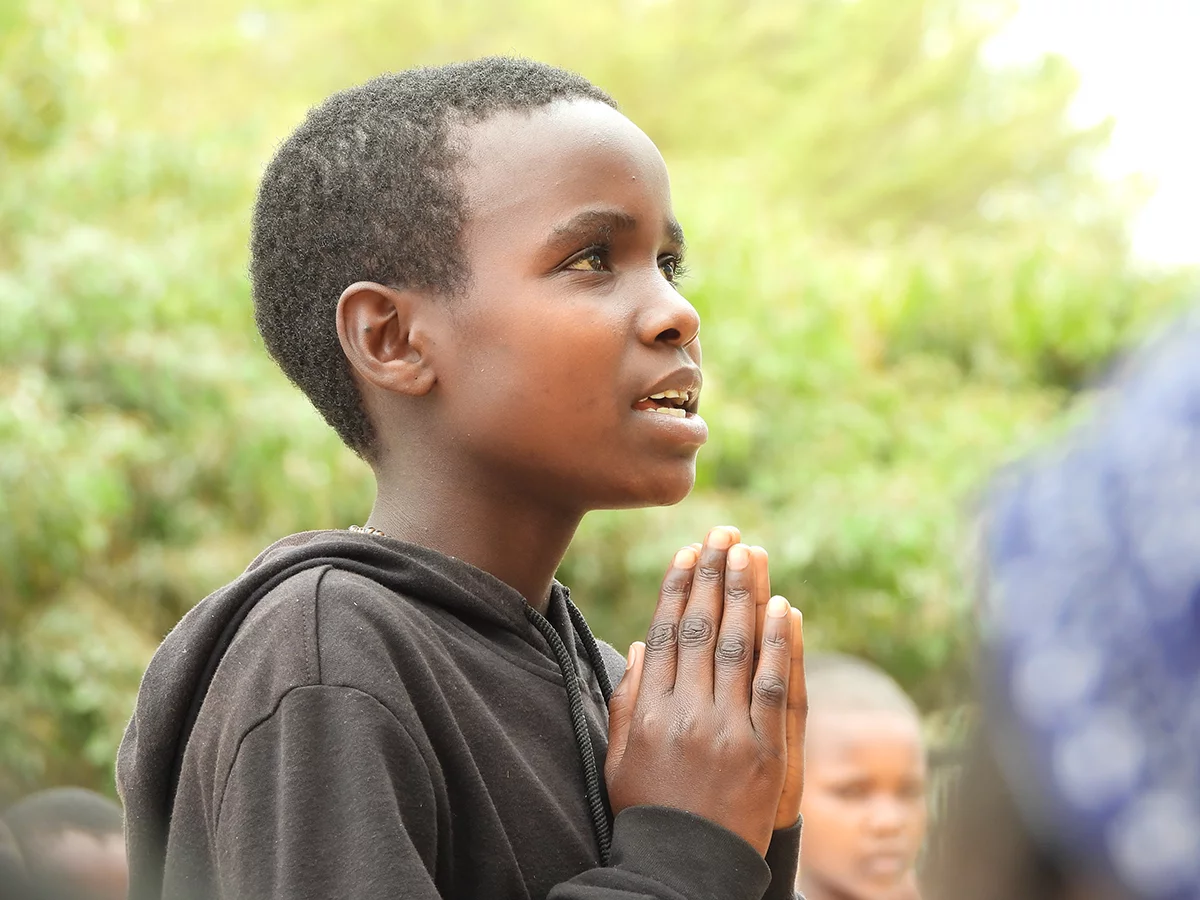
(367, 529)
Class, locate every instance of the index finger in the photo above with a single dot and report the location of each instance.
(760, 563)
(662, 640)
(769, 703)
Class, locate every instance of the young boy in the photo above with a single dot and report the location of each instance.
(864, 797)
(470, 271)
(71, 846)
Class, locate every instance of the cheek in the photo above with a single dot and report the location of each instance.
(831, 825)
(521, 375)
(919, 820)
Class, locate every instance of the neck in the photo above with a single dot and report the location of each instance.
(492, 527)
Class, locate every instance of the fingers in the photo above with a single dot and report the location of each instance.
(662, 640)
(733, 662)
(702, 616)
(797, 715)
(797, 685)
(797, 703)
(621, 705)
(762, 588)
(769, 697)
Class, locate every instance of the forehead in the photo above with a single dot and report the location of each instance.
(857, 737)
(524, 171)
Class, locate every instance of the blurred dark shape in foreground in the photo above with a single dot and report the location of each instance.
(1086, 782)
(68, 844)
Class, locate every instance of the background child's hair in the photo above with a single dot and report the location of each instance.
(841, 683)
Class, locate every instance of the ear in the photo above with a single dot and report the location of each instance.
(380, 335)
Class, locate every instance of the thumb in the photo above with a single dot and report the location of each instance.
(621, 704)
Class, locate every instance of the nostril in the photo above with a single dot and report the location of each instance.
(671, 335)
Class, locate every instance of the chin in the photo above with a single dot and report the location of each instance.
(665, 487)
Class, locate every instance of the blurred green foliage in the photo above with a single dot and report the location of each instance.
(904, 256)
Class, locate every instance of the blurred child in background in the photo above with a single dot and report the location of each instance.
(1086, 781)
(72, 843)
(864, 793)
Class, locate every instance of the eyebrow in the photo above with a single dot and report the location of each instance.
(606, 222)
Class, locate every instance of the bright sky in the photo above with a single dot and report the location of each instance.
(1140, 62)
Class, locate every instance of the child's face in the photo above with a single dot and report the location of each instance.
(864, 805)
(88, 865)
(570, 318)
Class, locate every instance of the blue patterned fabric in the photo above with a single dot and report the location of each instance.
(1092, 624)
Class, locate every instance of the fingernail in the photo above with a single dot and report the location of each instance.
(685, 558)
(758, 550)
(777, 607)
(720, 538)
(629, 658)
(739, 557)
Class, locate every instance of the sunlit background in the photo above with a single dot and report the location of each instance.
(915, 236)
(1137, 63)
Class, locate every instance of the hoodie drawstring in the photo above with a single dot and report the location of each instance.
(583, 737)
(592, 647)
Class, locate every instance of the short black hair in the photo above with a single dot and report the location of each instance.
(51, 812)
(838, 682)
(366, 189)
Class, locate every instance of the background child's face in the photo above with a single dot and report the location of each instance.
(570, 317)
(87, 865)
(864, 804)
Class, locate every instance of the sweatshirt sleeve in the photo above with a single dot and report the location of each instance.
(328, 797)
(669, 854)
(783, 859)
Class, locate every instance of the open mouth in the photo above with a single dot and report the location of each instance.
(669, 403)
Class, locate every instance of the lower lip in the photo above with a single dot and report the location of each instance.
(690, 429)
(885, 866)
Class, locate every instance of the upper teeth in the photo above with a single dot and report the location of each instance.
(670, 395)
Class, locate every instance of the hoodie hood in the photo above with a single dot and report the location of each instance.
(177, 678)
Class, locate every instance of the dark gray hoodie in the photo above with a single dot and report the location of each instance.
(356, 717)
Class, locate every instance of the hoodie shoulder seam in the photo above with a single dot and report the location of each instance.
(271, 715)
(316, 623)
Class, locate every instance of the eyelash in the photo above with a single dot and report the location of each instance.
(603, 251)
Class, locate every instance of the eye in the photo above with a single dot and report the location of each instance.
(852, 790)
(593, 259)
(672, 268)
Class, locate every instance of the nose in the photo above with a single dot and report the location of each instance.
(668, 318)
(887, 816)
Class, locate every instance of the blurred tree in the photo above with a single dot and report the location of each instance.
(904, 256)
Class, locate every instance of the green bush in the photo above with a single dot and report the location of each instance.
(904, 258)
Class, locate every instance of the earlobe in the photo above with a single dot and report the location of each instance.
(379, 329)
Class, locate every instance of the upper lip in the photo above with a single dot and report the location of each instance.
(688, 379)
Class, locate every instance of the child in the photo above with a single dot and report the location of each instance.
(1085, 781)
(864, 797)
(470, 271)
(71, 845)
